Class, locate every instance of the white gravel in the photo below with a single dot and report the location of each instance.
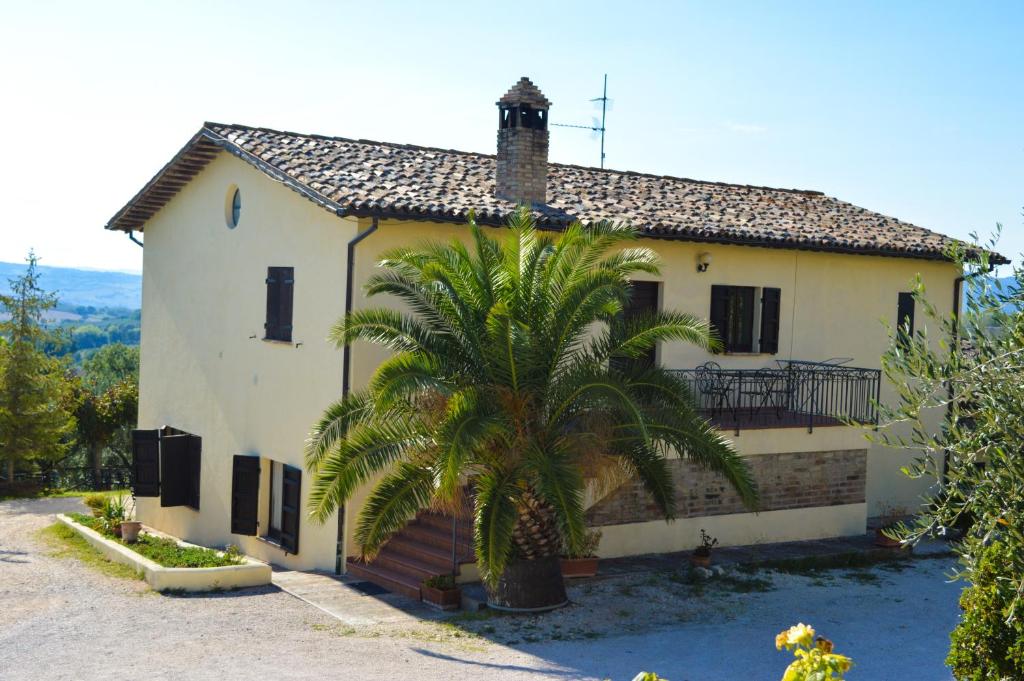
(62, 620)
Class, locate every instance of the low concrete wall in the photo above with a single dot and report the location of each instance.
(249, 573)
(737, 529)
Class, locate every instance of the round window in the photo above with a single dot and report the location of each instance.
(233, 207)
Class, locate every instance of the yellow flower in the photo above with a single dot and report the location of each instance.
(801, 634)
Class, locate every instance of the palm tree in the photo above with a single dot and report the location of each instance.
(515, 368)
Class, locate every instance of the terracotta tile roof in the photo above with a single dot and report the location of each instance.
(365, 178)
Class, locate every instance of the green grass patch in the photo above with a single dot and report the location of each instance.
(166, 552)
(36, 493)
(65, 542)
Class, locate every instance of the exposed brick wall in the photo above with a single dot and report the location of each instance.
(792, 480)
(522, 166)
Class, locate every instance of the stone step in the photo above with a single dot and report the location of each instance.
(440, 558)
(389, 579)
(391, 559)
(444, 523)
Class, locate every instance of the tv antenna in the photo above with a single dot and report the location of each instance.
(595, 127)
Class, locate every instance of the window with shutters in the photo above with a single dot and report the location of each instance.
(280, 295)
(746, 318)
(905, 317)
(643, 298)
(167, 463)
(283, 510)
(180, 468)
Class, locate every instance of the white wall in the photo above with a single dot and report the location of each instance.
(204, 368)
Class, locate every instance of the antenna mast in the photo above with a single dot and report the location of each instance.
(595, 127)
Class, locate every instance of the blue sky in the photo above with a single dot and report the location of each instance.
(911, 109)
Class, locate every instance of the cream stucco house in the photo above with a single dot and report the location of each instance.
(256, 241)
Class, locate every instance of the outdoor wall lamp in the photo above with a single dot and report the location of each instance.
(703, 262)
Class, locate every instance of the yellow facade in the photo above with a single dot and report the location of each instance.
(205, 369)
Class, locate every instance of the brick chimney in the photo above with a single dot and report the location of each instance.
(522, 172)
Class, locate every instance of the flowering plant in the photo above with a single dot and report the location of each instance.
(815, 660)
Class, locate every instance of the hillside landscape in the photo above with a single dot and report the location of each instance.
(82, 287)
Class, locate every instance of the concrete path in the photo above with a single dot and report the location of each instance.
(351, 601)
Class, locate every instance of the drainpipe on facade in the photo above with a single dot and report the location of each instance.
(131, 235)
(346, 368)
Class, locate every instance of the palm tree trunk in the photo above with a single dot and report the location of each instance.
(536, 533)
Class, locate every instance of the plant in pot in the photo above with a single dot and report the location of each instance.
(582, 561)
(890, 522)
(130, 529)
(113, 513)
(442, 592)
(701, 556)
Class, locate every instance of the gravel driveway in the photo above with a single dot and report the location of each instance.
(62, 620)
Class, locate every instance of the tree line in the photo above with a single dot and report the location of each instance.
(53, 413)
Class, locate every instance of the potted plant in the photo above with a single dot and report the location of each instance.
(114, 512)
(889, 523)
(582, 561)
(442, 592)
(701, 556)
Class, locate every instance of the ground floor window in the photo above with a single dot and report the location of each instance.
(274, 523)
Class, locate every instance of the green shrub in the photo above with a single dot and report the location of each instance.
(984, 647)
(442, 582)
(815, 660)
(95, 501)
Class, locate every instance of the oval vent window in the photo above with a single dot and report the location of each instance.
(233, 207)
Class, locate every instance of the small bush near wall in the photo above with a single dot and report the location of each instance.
(166, 552)
(984, 646)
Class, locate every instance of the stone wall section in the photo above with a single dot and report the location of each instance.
(786, 481)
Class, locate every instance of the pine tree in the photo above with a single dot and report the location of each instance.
(36, 412)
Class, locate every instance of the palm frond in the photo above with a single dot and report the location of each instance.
(394, 501)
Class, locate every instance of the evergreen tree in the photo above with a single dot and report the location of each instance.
(36, 412)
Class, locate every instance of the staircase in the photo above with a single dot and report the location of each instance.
(422, 549)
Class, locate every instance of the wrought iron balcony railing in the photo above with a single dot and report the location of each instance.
(791, 394)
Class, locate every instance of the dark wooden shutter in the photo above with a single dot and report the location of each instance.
(287, 295)
(905, 314)
(280, 294)
(146, 463)
(174, 470)
(643, 299)
(245, 494)
(770, 313)
(719, 313)
(195, 466)
(291, 486)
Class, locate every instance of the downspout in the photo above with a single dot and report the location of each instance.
(131, 235)
(346, 367)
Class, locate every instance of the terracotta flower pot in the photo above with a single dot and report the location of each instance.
(885, 542)
(700, 560)
(579, 567)
(130, 531)
(443, 599)
(117, 530)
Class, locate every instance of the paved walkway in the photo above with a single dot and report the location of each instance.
(353, 602)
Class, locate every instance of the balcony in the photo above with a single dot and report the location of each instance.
(792, 394)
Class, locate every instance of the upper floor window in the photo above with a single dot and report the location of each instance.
(280, 290)
(746, 318)
(905, 317)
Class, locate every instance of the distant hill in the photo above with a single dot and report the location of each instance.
(76, 287)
